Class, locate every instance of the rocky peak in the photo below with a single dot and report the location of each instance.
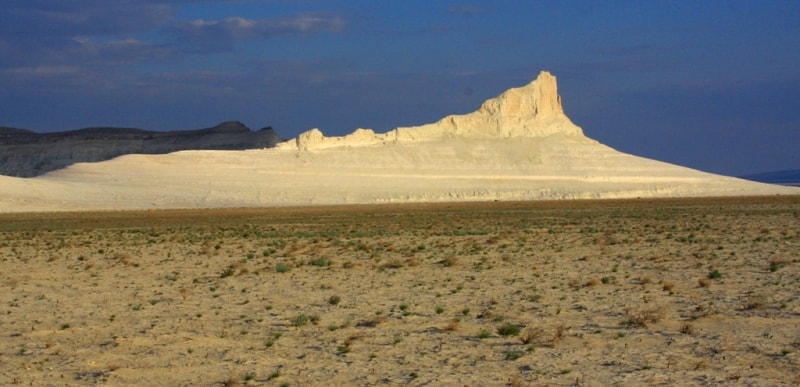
(538, 100)
(533, 110)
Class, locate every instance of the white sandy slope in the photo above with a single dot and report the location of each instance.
(518, 146)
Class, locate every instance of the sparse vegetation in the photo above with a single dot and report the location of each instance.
(642, 317)
(508, 329)
(281, 267)
(408, 290)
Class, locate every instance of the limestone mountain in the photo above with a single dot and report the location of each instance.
(517, 146)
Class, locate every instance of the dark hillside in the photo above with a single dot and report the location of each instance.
(24, 153)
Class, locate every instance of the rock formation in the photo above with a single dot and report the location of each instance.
(518, 146)
(533, 110)
(24, 153)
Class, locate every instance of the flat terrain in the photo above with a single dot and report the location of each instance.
(658, 292)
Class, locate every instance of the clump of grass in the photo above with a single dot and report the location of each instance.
(320, 262)
(300, 320)
(643, 317)
(508, 329)
(232, 381)
(227, 272)
(451, 326)
(393, 264)
(124, 258)
(777, 262)
(334, 300)
(281, 267)
(373, 322)
(538, 336)
(714, 274)
(514, 355)
(484, 334)
(753, 302)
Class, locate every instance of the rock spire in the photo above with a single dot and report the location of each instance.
(533, 110)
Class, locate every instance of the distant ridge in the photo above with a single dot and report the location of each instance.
(788, 177)
(24, 153)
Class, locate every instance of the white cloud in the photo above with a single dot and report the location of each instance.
(220, 35)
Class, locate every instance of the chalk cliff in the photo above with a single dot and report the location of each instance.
(517, 146)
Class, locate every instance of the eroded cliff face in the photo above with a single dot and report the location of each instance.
(533, 110)
(25, 153)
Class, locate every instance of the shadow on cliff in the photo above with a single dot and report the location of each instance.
(24, 153)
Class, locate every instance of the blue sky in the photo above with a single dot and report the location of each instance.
(713, 85)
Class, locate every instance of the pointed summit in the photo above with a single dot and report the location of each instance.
(533, 110)
(538, 99)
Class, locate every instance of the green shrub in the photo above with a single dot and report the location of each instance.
(508, 329)
(281, 267)
(300, 320)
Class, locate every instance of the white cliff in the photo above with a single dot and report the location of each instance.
(517, 146)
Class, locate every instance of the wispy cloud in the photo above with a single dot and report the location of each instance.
(466, 9)
(220, 35)
(43, 18)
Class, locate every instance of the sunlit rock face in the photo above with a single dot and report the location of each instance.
(533, 110)
(517, 146)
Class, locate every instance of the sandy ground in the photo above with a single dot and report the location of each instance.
(658, 292)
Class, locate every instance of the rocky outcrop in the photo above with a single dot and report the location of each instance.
(24, 153)
(533, 110)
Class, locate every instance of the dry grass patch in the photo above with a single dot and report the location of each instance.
(642, 317)
(542, 337)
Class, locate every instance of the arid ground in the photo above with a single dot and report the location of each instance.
(635, 292)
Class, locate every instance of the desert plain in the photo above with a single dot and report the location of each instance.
(587, 292)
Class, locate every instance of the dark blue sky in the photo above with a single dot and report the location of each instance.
(713, 85)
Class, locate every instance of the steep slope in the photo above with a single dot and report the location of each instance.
(24, 153)
(518, 146)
